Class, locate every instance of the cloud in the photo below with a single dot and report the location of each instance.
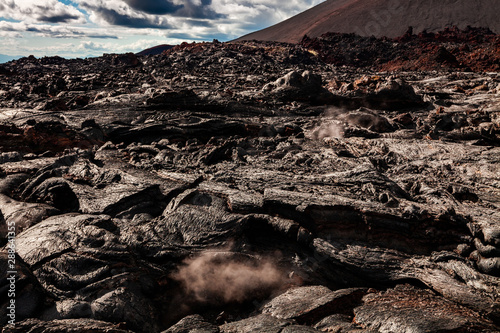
(236, 19)
(243, 14)
(246, 16)
(50, 11)
(195, 19)
(89, 45)
(156, 7)
(200, 10)
(147, 13)
(9, 34)
(113, 17)
(53, 31)
(199, 23)
(59, 18)
(119, 13)
(40, 26)
(262, 13)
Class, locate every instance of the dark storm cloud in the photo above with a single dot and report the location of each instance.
(65, 18)
(148, 13)
(112, 17)
(200, 23)
(186, 9)
(202, 11)
(155, 7)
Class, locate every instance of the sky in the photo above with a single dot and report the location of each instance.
(84, 28)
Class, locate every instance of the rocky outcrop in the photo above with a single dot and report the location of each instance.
(317, 300)
(305, 87)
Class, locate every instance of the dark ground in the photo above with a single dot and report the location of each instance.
(253, 187)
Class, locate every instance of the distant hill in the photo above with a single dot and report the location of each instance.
(390, 18)
(6, 58)
(155, 50)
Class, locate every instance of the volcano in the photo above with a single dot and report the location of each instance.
(382, 18)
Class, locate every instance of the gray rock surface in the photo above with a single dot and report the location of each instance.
(65, 325)
(193, 324)
(309, 304)
(261, 323)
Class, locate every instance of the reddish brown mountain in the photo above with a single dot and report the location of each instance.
(155, 50)
(390, 18)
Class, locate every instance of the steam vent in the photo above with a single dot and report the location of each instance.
(341, 183)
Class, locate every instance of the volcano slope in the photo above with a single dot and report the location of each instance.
(248, 187)
(389, 18)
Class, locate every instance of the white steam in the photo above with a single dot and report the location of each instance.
(214, 277)
(330, 126)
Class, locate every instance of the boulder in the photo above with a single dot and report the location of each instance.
(311, 304)
(295, 86)
(22, 215)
